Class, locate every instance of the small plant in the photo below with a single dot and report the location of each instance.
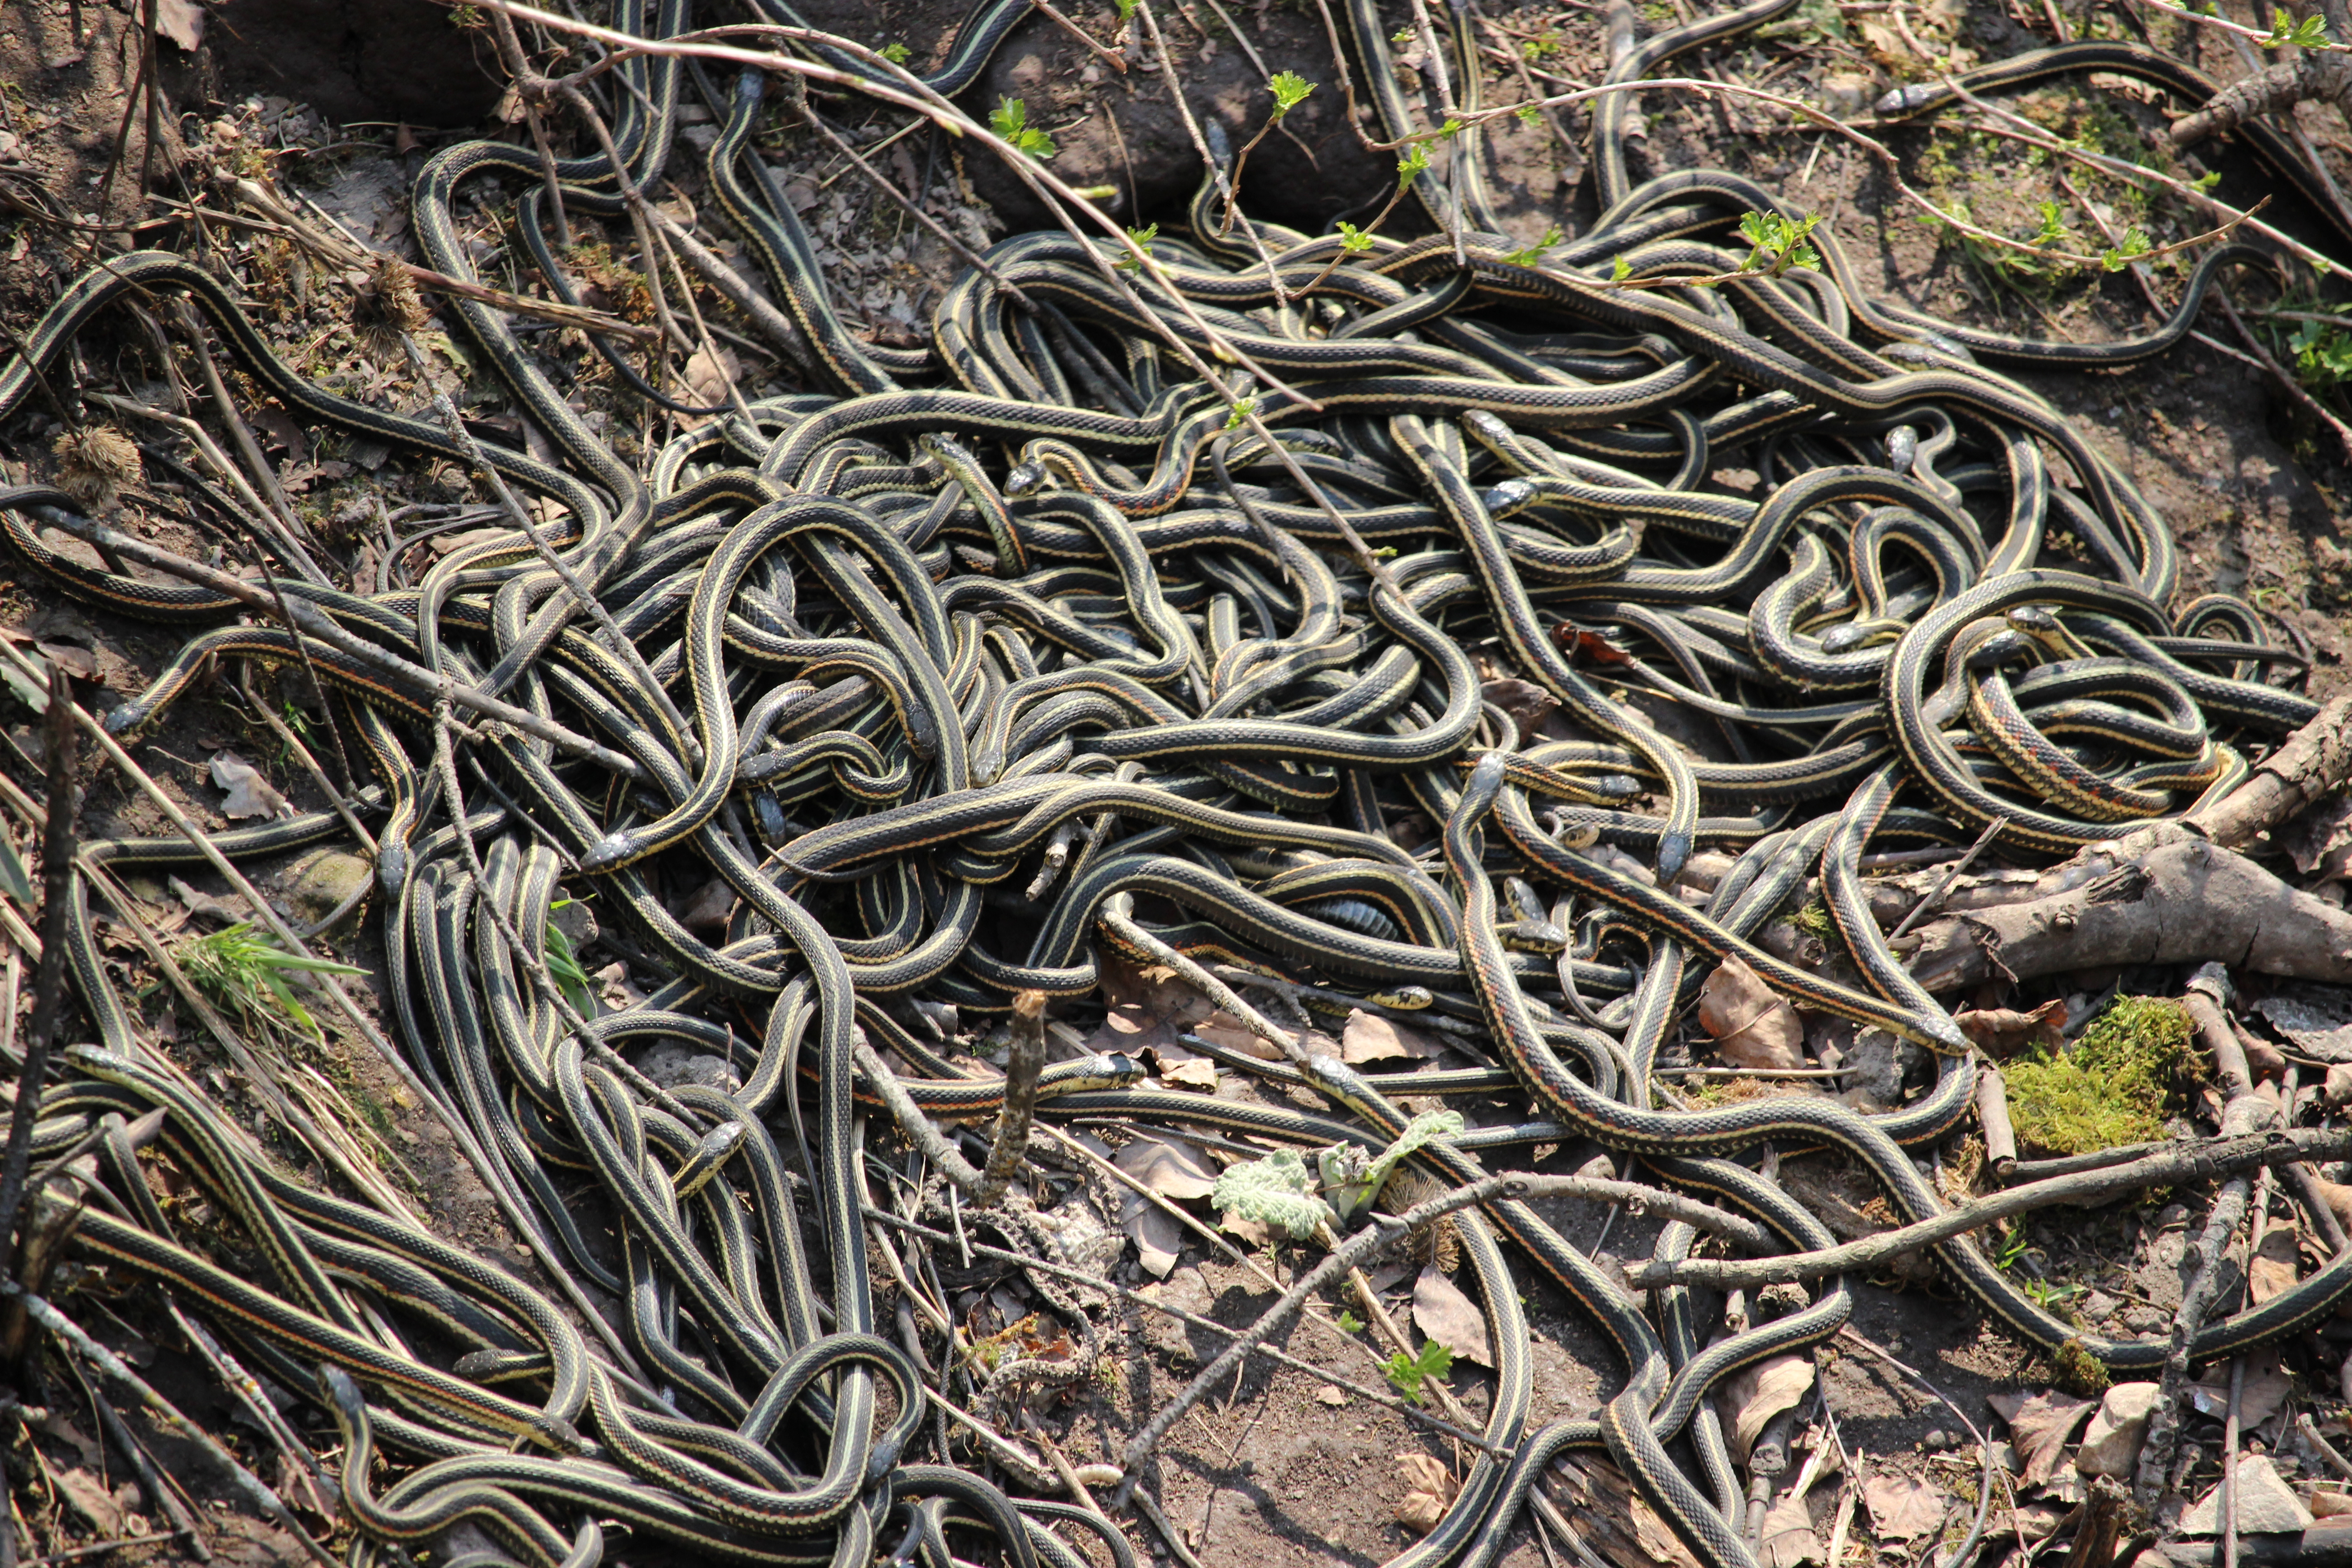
(2077, 1371)
(564, 968)
(244, 970)
(2114, 1086)
(1347, 1323)
(1777, 243)
(1290, 89)
(468, 18)
(1010, 119)
(1414, 1375)
(2311, 33)
(1278, 1192)
(1126, 10)
(897, 54)
(1534, 253)
(1242, 408)
(2135, 244)
(1139, 241)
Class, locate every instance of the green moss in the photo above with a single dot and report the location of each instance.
(2077, 1371)
(2114, 1086)
(1814, 919)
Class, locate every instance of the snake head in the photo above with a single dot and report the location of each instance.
(1673, 849)
(1510, 497)
(1902, 448)
(1025, 479)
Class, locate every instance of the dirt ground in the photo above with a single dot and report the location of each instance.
(1287, 1468)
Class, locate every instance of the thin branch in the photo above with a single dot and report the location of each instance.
(60, 757)
(1021, 1070)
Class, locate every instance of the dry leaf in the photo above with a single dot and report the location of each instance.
(1526, 703)
(2040, 1426)
(1442, 1312)
(2272, 1269)
(1757, 1394)
(1752, 1026)
(181, 22)
(1904, 1508)
(1430, 1489)
(708, 377)
(92, 1501)
(1199, 1073)
(248, 794)
(228, 912)
(2004, 1031)
(1223, 1029)
(77, 662)
(1788, 1537)
(2266, 1388)
(1173, 1170)
(1369, 1037)
(2330, 1505)
(1332, 1394)
(1158, 1238)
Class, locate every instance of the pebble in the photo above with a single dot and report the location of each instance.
(2266, 1505)
(1935, 1440)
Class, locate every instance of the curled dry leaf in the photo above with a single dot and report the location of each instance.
(1789, 1538)
(1199, 1073)
(1755, 1394)
(2266, 1388)
(2040, 1426)
(2004, 1031)
(1175, 1171)
(1332, 1394)
(1441, 1312)
(1430, 1491)
(248, 794)
(1904, 1508)
(228, 912)
(1369, 1037)
(1221, 1028)
(1752, 1025)
(92, 1501)
(2272, 1269)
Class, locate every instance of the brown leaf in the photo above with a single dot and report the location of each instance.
(229, 910)
(1369, 1037)
(1199, 1073)
(1526, 703)
(280, 427)
(1224, 1029)
(1430, 1489)
(91, 1500)
(2040, 1426)
(2266, 1388)
(1332, 1394)
(2272, 1269)
(77, 662)
(1755, 1394)
(1752, 1026)
(1172, 1169)
(1788, 1537)
(1441, 1312)
(1904, 1508)
(2004, 1031)
(1158, 1238)
(181, 22)
(248, 794)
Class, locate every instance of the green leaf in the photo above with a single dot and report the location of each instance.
(1534, 253)
(897, 54)
(1528, 114)
(1010, 119)
(2206, 180)
(1451, 128)
(1139, 243)
(2311, 33)
(1290, 90)
(1126, 10)
(1347, 1323)
(15, 881)
(1403, 35)
(1620, 270)
(1412, 1373)
(1354, 1182)
(1415, 161)
(1354, 240)
(1276, 1192)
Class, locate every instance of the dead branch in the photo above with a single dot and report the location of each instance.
(2315, 761)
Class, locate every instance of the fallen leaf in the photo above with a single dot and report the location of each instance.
(299, 1486)
(1904, 1508)
(2040, 1426)
(1788, 1537)
(2004, 1031)
(91, 1500)
(1172, 1169)
(248, 794)
(281, 428)
(1199, 1073)
(1369, 1037)
(2330, 1505)
(180, 21)
(2272, 1269)
(1332, 1394)
(77, 662)
(2265, 1389)
(1526, 703)
(709, 377)
(1441, 1312)
(1757, 1394)
(710, 907)
(1158, 1238)
(1430, 1489)
(1752, 1025)
(1224, 1029)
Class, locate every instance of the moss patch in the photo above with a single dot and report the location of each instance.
(2114, 1086)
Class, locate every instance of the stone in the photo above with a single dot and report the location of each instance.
(2266, 1505)
(671, 1064)
(2111, 1443)
(318, 884)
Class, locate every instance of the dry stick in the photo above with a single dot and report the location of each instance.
(772, 323)
(1966, 1552)
(1201, 144)
(2203, 1159)
(423, 683)
(1118, 61)
(918, 1129)
(293, 743)
(168, 1417)
(2196, 1301)
(2314, 761)
(1021, 1070)
(2279, 373)
(1208, 984)
(214, 459)
(301, 1461)
(49, 982)
(280, 510)
(152, 1484)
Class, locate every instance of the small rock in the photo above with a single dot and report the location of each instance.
(671, 1064)
(2144, 1320)
(2111, 1443)
(2098, 1306)
(2266, 1505)
(319, 883)
(1847, 92)
(1935, 1440)
(576, 920)
(2339, 1084)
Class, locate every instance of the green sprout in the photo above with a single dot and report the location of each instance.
(1534, 253)
(1353, 241)
(2311, 33)
(1347, 1323)
(1242, 410)
(2051, 231)
(1620, 270)
(2135, 244)
(1010, 119)
(243, 970)
(1139, 247)
(897, 54)
(1777, 244)
(1403, 35)
(1414, 163)
(1290, 90)
(1410, 1373)
(1528, 114)
(565, 967)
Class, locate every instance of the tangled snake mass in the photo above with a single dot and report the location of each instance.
(1140, 610)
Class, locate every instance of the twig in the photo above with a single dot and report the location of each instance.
(2313, 763)
(2295, 388)
(1208, 984)
(1966, 1552)
(2228, 1511)
(152, 1485)
(917, 1127)
(938, 230)
(254, 1489)
(2200, 1162)
(49, 982)
(1935, 898)
(1116, 60)
(1021, 1070)
(249, 1392)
